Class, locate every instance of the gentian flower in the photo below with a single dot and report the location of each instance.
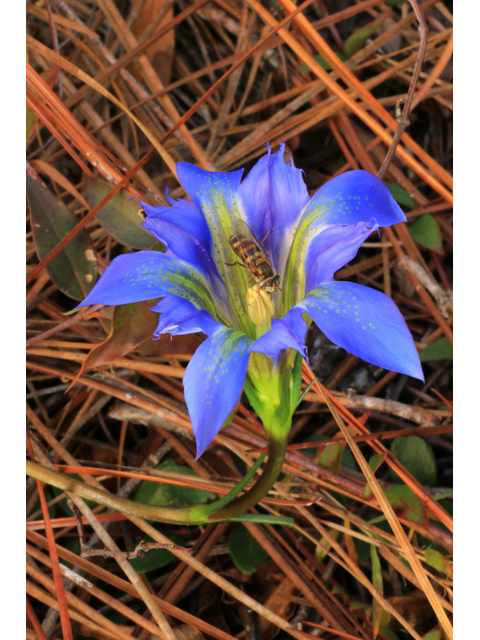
(254, 335)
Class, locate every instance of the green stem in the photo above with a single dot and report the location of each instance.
(276, 456)
(214, 512)
(147, 511)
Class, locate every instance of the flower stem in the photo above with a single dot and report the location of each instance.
(172, 515)
(182, 515)
(276, 456)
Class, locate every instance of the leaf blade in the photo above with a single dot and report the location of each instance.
(74, 270)
(120, 216)
(425, 231)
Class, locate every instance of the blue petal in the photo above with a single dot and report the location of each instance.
(353, 197)
(145, 275)
(348, 199)
(216, 194)
(366, 323)
(182, 245)
(185, 215)
(273, 195)
(183, 230)
(210, 188)
(331, 249)
(180, 317)
(286, 333)
(214, 381)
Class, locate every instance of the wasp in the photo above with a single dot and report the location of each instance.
(253, 257)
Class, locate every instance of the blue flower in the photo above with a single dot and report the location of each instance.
(203, 290)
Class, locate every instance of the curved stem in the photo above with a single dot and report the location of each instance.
(276, 456)
(174, 515)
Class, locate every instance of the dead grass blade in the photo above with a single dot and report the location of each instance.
(401, 536)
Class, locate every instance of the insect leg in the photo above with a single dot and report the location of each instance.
(232, 264)
(263, 241)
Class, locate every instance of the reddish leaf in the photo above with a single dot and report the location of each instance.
(133, 327)
(407, 505)
(132, 324)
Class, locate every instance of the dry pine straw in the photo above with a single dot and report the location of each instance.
(218, 108)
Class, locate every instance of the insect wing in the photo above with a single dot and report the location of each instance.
(240, 226)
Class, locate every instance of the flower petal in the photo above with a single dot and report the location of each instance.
(216, 194)
(183, 230)
(182, 245)
(366, 323)
(144, 275)
(352, 197)
(332, 249)
(209, 189)
(214, 381)
(185, 215)
(273, 195)
(180, 317)
(285, 333)
(349, 199)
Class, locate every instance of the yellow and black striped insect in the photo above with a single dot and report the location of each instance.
(253, 257)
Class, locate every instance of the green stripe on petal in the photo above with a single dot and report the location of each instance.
(146, 275)
(216, 194)
(309, 226)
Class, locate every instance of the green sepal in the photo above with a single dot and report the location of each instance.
(296, 382)
(253, 398)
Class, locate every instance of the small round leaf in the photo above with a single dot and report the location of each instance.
(246, 553)
(416, 456)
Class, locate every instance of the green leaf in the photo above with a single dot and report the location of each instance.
(63, 502)
(74, 270)
(377, 581)
(169, 495)
(300, 399)
(401, 195)
(233, 493)
(357, 40)
(433, 635)
(395, 3)
(324, 545)
(417, 457)
(362, 547)
(425, 231)
(260, 518)
(406, 504)
(323, 63)
(388, 633)
(374, 463)
(441, 349)
(339, 590)
(120, 216)
(155, 558)
(334, 455)
(362, 606)
(438, 562)
(246, 553)
(330, 456)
